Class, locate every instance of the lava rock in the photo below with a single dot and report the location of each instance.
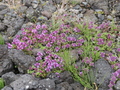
(7, 88)
(35, 3)
(77, 86)
(6, 65)
(22, 61)
(90, 16)
(27, 3)
(64, 76)
(2, 27)
(63, 86)
(9, 77)
(46, 84)
(4, 11)
(21, 82)
(3, 7)
(117, 85)
(103, 72)
(47, 14)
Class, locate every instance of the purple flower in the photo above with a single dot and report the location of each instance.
(116, 74)
(118, 49)
(99, 35)
(67, 46)
(112, 58)
(9, 45)
(57, 49)
(102, 54)
(24, 33)
(34, 31)
(109, 36)
(81, 40)
(96, 48)
(76, 29)
(38, 58)
(38, 27)
(110, 85)
(74, 44)
(44, 26)
(71, 38)
(80, 73)
(100, 41)
(109, 43)
(113, 78)
(48, 45)
(37, 65)
(40, 54)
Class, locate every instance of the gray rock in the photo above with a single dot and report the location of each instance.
(3, 7)
(74, 11)
(109, 17)
(1, 17)
(3, 51)
(10, 32)
(65, 76)
(57, 1)
(42, 18)
(103, 72)
(9, 77)
(27, 3)
(22, 9)
(21, 82)
(5, 66)
(35, 3)
(63, 86)
(30, 12)
(46, 84)
(90, 16)
(77, 7)
(18, 23)
(103, 4)
(7, 88)
(77, 86)
(117, 85)
(2, 27)
(47, 14)
(49, 7)
(21, 60)
(4, 11)
(117, 7)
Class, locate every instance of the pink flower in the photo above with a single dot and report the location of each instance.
(48, 45)
(102, 54)
(96, 48)
(118, 49)
(76, 29)
(44, 26)
(38, 27)
(9, 45)
(57, 49)
(34, 31)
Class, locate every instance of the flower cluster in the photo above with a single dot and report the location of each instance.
(46, 63)
(88, 61)
(115, 76)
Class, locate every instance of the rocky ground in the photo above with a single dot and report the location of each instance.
(27, 12)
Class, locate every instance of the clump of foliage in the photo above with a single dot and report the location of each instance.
(1, 40)
(57, 42)
(1, 83)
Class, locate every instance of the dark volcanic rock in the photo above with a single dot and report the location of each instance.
(103, 72)
(6, 64)
(9, 77)
(21, 60)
